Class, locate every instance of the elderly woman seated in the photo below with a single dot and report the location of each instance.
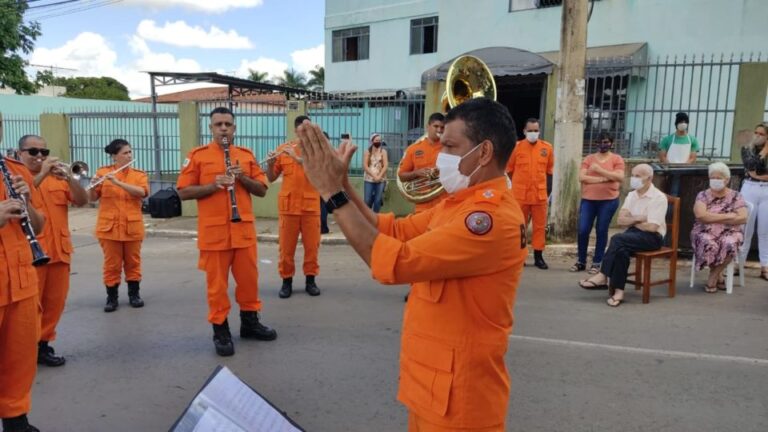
(717, 234)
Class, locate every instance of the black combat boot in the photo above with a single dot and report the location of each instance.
(538, 260)
(222, 339)
(47, 356)
(111, 305)
(133, 294)
(312, 288)
(18, 424)
(251, 328)
(287, 289)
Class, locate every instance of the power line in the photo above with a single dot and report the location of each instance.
(52, 4)
(76, 10)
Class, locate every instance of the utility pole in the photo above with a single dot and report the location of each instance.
(569, 116)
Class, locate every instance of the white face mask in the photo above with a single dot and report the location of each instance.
(682, 127)
(532, 137)
(758, 140)
(635, 183)
(450, 177)
(717, 184)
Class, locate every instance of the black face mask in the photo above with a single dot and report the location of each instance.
(604, 148)
(377, 144)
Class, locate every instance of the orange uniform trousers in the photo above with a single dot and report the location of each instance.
(119, 255)
(417, 424)
(539, 214)
(19, 333)
(290, 227)
(216, 265)
(53, 282)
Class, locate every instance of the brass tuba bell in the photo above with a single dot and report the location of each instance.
(468, 78)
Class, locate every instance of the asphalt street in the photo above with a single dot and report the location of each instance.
(697, 362)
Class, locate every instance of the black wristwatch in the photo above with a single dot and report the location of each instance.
(337, 200)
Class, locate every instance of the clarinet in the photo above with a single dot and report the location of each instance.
(231, 189)
(38, 255)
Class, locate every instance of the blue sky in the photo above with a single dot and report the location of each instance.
(129, 36)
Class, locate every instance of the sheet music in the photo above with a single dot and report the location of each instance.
(227, 404)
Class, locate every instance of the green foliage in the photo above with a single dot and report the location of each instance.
(16, 38)
(317, 78)
(257, 76)
(92, 88)
(293, 79)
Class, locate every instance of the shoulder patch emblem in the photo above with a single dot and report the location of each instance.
(488, 194)
(419, 153)
(479, 223)
(186, 162)
(543, 152)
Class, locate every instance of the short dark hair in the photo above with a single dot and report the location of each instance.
(222, 110)
(115, 146)
(436, 117)
(606, 136)
(299, 120)
(486, 119)
(23, 140)
(681, 117)
(531, 120)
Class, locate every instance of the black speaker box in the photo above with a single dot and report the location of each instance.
(165, 204)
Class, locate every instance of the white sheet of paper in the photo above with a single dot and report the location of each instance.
(214, 421)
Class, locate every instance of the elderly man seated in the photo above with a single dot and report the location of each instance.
(644, 213)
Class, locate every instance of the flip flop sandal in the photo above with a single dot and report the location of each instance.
(594, 269)
(721, 285)
(577, 267)
(710, 289)
(617, 303)
(591, 285)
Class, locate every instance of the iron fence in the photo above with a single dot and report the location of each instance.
(15, 127)
(154, 138)
(636, 104)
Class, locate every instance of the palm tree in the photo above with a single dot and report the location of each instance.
(257, 76)
(293, 79)
(317, 80)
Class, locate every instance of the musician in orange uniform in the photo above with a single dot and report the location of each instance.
(120, 224)
(298, 206)
(420, 158)
(464, 258)
(223, 243)
(19, 317)
(531, 167)
(58, 189)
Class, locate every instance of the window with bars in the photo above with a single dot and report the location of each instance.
(351, 44)
(519, 5)
(424, 35)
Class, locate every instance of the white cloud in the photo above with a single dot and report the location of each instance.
(210, 6)
(181, 34)
(91, 56)
(305, 60)
(272, 67)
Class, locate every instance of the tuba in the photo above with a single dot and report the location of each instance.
(468, 78)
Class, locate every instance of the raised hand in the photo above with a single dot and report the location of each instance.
(325, 167)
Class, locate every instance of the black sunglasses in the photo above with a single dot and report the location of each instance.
(34, 151)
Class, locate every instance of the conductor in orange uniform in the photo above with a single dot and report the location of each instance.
(299, 213)
(531, 167)
(58, 189)
(464, 258)
(120, 224)
(420, 158)
(225, 244)
(19, 317)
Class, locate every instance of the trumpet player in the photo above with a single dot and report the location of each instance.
(298, 205)
(19, 319)
(120, 190)
(58, 189)
(223, 243)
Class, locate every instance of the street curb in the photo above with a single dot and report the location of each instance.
(264, 238)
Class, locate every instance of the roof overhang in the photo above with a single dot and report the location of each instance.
(609, 60)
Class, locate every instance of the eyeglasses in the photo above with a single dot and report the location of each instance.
(34, 151)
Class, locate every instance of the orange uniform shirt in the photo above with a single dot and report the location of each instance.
(215, 230)
(297, 195)
(18, 278)
(422, 154)
(464, 258)
(120, 217)
(56, 238)
(528, 166)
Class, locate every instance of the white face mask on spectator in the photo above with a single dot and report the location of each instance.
(717, 184)
(635, 183)
(532, 137)
(682, 127)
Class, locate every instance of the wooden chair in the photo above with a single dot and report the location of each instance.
(644, 260)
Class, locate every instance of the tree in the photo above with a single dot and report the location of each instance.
(257, 76)
(93, 88)
(317, 80)
(293, 79)
(16, 38)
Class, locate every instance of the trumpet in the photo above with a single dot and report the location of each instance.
(102, 179)
(76, 169)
